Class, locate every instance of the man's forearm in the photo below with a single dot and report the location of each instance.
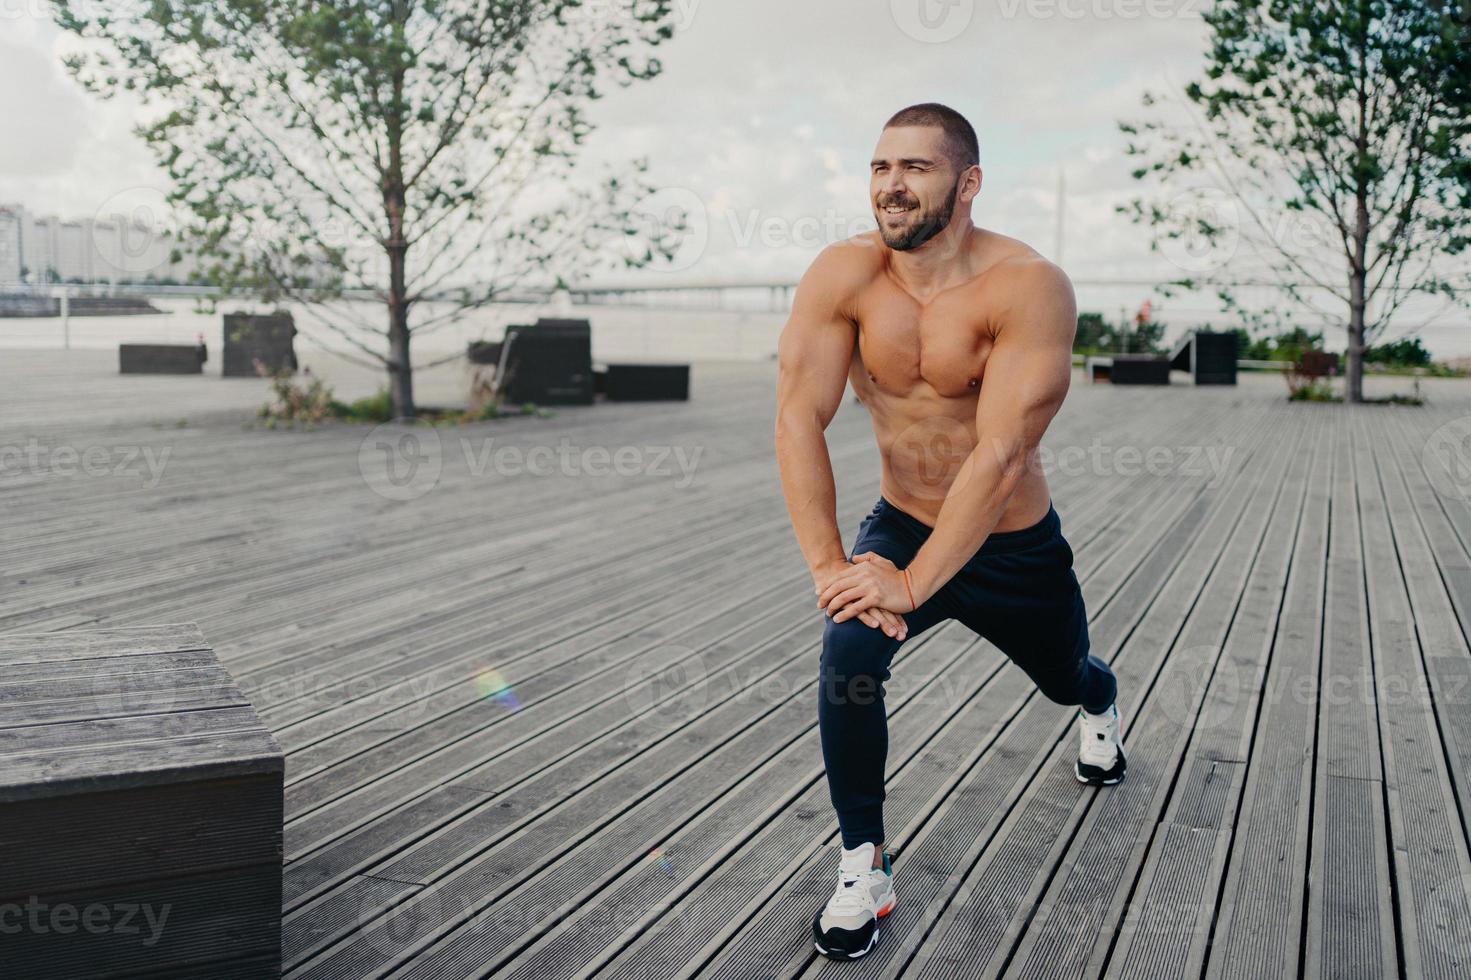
(968, 515)
(807, 483)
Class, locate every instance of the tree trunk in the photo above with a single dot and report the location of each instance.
(400, 368)
(1354, 368)
(1359, 251)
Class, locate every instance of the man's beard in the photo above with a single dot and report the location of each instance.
(930, 224)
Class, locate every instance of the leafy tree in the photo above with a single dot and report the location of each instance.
(1139, 335)
(404, 151)
(1406, 352)
(1284, 346)
(1092, 334)
(1330, 141)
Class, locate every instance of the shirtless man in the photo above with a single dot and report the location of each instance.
(958, 340)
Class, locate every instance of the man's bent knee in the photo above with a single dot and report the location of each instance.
(855, 661)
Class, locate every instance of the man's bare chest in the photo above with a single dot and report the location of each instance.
(902, 344)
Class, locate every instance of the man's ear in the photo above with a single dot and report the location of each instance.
(970, 183)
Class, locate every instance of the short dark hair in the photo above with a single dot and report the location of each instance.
(961, 144)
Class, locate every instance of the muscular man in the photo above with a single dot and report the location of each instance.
(959, 342)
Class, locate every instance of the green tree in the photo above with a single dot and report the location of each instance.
(1405, 352)
(1092, 334)
(404, 151)
(1330, 142)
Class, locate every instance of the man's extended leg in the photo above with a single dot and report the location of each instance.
(1020, 592)
(851, 715)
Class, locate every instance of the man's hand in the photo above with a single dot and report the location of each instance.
(890, 622)
(871, 585)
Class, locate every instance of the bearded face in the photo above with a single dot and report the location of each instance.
(905, 222)
(913, 186)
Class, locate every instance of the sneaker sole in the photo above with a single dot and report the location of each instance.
(1095, 781)
(872, 942)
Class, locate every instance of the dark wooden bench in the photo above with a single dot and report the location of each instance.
(1210, 357)
(620, 382)
(140, 810)
(1128, 369)
(267, 338)
(160, 358)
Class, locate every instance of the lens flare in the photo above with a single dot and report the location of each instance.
(493, 686)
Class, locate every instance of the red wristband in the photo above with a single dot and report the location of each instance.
(912, 606)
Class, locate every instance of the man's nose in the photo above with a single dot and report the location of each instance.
(893, 183)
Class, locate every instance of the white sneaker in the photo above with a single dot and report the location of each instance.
(848, 927)
(1101, 759)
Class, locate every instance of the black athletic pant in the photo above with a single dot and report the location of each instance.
(1018, 591)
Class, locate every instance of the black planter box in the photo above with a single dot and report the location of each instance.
(160, 359)
(141, 805)
(549, 363)
(1139, 369)
(269, 338)
(647, 382)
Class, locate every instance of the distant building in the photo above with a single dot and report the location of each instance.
(100, 250)
(11, 261)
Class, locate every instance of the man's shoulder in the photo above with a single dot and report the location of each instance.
(1027, 288)
(1017, 265)
(1022, 278)
(848, 265)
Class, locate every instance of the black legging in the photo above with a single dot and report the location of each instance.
(1019, 592)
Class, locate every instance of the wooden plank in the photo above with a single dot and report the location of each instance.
(1165, 928)
(1350, 922)
(1430, 853)
(1260, 926)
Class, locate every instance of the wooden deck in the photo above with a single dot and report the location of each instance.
(563, 724)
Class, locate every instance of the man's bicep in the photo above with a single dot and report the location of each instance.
(1028, 371)
(814, 351)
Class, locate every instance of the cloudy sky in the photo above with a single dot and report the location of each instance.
(767, 112)
(766, 115)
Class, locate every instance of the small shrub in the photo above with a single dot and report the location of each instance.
(1316, 390)
(308, 402)
(377, 407)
